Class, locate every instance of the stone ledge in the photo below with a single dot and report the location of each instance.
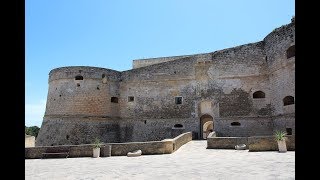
(167, 146)
(268, 143)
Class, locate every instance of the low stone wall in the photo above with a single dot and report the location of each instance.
(29, 141)
(225, 142)
(181, 140)
(147, 148)
(268, 143)
(117, 149)
(254, 143)
(74, 150)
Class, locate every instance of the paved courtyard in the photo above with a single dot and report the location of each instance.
(191, 161)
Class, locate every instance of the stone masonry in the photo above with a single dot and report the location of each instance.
(242, 91)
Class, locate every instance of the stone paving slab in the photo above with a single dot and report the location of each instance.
(191, 161)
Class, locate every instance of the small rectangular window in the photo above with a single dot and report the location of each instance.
(178, 100)
(289, 131)
(114, 99)
(130, 99)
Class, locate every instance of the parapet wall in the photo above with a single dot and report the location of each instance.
(117, 149)
(181, 140)
(147, 62)
(225, 142)
(253, 143)
(268, 143)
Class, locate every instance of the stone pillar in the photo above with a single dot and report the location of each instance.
(106, 150)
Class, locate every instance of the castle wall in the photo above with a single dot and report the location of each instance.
(154, 89)
(142, 104)
(249, 126)
(29, 141)
(147, 62)
(281, 75)
(229, 81)
(74, 105)
(148, 129)
(88, 97)
(77, 130)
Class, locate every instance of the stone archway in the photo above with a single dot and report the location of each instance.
(206, 126)
(207, 129)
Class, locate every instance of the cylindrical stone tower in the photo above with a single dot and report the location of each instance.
(82, 104)
(280, 51)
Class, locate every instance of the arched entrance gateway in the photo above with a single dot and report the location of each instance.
(206, 126)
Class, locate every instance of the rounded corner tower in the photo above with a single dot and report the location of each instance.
(81, 104)
(280, 52)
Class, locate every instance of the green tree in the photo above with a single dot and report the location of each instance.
(32, 130)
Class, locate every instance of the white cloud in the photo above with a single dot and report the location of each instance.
(34, 113)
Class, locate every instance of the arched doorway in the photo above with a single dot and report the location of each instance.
(206, 126)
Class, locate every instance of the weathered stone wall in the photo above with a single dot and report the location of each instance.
(147, 148)
(117, 149)
(253, 143)
(249, 126)
(220, 84)
(181, 140)
(88, 97)
(268, 143)
(281, 69)
(147, 62)
(154, 129)
(29, 141)
(73, 130)
(225, 142)
(281, 75)
(283, 122)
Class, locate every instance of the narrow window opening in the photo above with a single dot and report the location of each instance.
(289, 131)
(114, 99)
(145, 121)
(178, 100)
(98, 88)
(78, 84)
(288, 100)
(259, 95)
(67, 137)
(178, 126)
(291, 51)
(235, 124)
(79, 77)
(130, 99)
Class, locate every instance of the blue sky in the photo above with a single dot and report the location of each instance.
(112, 33)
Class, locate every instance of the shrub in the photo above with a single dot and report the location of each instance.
(280, 135)
(97, 143)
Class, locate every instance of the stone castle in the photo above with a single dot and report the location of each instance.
(242, 91)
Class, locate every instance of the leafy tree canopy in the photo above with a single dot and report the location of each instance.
(32, 130)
